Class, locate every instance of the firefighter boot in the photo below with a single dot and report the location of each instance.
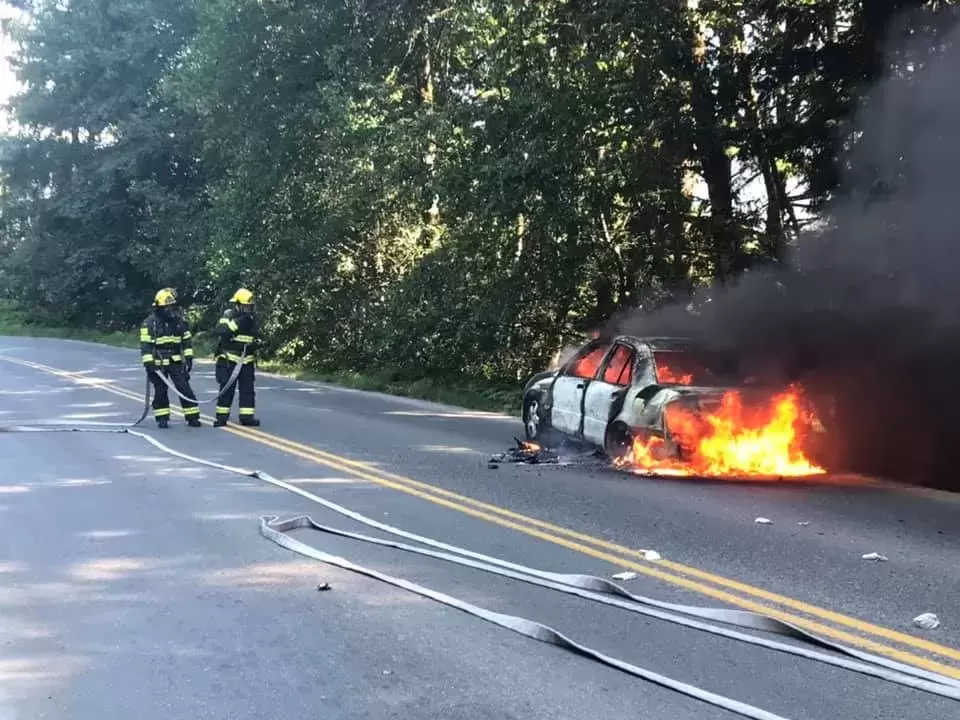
(194, 422)
(250, 421)
(163, 423)
(221, 420)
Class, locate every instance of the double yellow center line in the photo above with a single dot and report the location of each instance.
(874, 638)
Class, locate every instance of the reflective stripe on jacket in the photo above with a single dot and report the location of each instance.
(165, 340)
(236, 330)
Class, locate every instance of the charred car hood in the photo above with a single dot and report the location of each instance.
(540, 377)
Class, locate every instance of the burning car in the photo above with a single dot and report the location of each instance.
(671, 406)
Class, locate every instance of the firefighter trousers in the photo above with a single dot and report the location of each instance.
(244, 388)
(161, 397)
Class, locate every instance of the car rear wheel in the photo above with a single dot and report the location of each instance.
(618, 442)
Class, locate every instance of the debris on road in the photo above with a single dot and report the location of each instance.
(763, 521)
(803, 523)
(651, 555)
(525, 452)
(323, 586)
(877, 557)
(530, 453)
(927, 621)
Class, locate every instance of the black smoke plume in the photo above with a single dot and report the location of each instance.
(868, 311)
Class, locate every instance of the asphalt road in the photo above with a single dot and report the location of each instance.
(134, 581)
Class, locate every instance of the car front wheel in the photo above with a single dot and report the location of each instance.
(536, 427)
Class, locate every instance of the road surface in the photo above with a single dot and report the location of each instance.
(132, 581)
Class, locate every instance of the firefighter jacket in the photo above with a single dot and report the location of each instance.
(165, 340)
(236, 330)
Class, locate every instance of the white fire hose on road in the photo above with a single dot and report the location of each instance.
(588, 587)
(237, 367)
(59, 426)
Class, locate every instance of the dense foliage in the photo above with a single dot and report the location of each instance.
(437, 188)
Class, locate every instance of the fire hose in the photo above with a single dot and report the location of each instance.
(584, 586)
(237, 367)
(91, 426)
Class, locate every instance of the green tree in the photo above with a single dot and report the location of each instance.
(101, 185)
(440, 190)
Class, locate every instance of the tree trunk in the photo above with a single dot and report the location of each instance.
(729, 258)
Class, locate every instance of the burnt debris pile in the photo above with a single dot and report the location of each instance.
(525, 452)
(529, 453)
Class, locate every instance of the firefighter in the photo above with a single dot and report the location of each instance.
(166, 345)
(238, 329)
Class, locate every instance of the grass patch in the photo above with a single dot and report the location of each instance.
(14, 321)
(484, 397)
(475, 396)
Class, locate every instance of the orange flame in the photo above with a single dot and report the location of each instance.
(666, 375)
(733, 441)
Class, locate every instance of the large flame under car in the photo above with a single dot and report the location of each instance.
(733, 440)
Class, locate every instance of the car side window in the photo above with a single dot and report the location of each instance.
(620, 368)
(587, 365)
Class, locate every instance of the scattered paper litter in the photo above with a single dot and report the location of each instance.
(651, 555)
(763, 521)
(625, 576)
(803, 523)
(875, 556)
(927, 621)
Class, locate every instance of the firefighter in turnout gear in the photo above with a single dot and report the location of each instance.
(238, 329)
(166, 346)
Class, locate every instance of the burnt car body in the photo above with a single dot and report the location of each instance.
(614, 390)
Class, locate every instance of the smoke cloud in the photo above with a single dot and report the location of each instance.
(869, 310)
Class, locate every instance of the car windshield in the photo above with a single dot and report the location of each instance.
(698, 367)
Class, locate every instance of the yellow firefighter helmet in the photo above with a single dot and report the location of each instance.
(165, 298)
(242, 296)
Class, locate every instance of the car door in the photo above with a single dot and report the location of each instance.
(567, 410)
(614, 378)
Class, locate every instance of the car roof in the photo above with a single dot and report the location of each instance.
(656, 343)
